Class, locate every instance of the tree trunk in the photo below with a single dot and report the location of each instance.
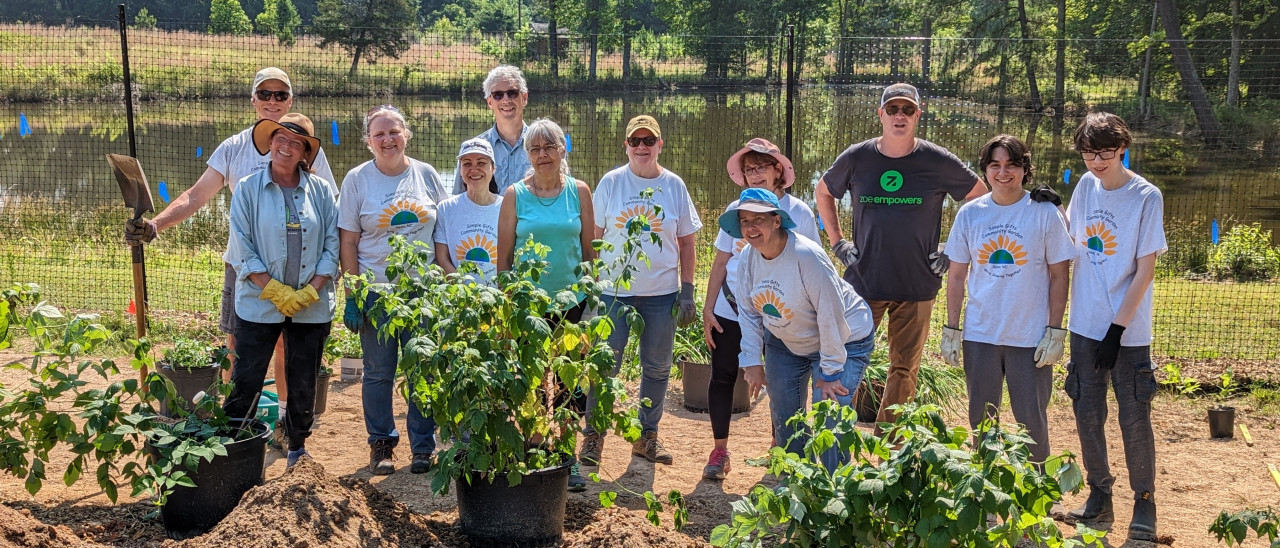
(768, 63)
(926, 30)
(1060, 60)
(1205, 117)
(554, 37)
(844, 63)
(894, 53)
(1144, 85)
(593, 11)
(355, 60)
(1028, 57)
(1233, 64)
(626, 57)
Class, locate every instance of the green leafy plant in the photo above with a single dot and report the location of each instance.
(1245, 255)
(690, 345)
(1233, 528)
(342, 344)
(921, 484)
(1227, 387)
(941, 386)
(1173, 378)
(188, 354)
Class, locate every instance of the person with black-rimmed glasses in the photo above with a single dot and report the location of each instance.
(506, 93)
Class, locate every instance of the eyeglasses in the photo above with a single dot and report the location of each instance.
(269, 95)
(752, 170)
(510, 94)
(906, 110)
(649, 141)
(549, 149)
(1092, 155)
(285, 140)
(756, 221)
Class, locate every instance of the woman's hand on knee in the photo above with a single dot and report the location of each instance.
(831, 389)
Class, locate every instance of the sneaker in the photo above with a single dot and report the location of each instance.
(278, 437)
(1096, 508)
(294, 456)
(381, 459)
(421, 463)
(577, 483)
(1143, 526)
(651, 449)
(592, 445)
(717, 464)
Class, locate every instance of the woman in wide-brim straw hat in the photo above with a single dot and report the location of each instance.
(759, 164)
(284, 248)
(796, 312)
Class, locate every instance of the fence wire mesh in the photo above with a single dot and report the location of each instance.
(62, 110)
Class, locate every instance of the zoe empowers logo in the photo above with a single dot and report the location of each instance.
(891, 180)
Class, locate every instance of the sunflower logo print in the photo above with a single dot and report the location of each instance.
(738, 244)
(1099, 239)
(402, 212)
(1002, 250)
(768, 303)
(639, 214)
(477, 249)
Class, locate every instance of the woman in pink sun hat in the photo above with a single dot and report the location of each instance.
(759, 164)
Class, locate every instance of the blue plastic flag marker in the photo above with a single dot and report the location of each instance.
(199, 152)
(24, 129)
(335, 133)
(820, 227)
(163, 190)
(568, 143)
(1125, 160)
(1213, 231)
(1066, 176)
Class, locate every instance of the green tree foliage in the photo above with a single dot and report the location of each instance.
(227, 17)
(366, 28)
(278, 18)
(144, 20)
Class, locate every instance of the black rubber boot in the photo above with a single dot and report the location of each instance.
(1096, 508)
(1143, 526)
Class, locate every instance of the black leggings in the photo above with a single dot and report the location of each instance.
(724, 375)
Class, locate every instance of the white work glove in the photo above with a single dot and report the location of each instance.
(952, 342)
(846, 252)
(1051, 346)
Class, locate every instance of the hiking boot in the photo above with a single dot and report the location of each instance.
(381, 459)
(592, 445)
(577, 483)
(651, 449)
(717, 464)
(1143, 526)
(421, 463)
(294, 456)
(279, 438)
(1096, 508)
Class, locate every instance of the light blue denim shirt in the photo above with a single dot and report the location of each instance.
(511, 161)
(258, 242)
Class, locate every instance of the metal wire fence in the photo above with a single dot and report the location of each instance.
(62, 109)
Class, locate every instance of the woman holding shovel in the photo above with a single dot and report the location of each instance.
(284, 248)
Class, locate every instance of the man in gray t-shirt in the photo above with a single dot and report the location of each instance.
(897, 185)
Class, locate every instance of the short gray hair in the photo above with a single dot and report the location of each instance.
(545, 130)
(505, 72)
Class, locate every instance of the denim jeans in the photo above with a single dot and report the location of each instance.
(381, 356)
(1135, 386)
(787, 376)
(303, 347)
(656, 342)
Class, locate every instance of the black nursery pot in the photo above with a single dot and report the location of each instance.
(1222, 422)
(696, 378)
(188, 383)
(529, 513)
(193, 511)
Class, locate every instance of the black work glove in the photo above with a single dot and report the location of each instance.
(1043, 193)
(1105, 358)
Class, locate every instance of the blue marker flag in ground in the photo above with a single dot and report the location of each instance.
(1066, 176)
(1213, 231)
(163, 190)
(1125, 160)
(24, 129)
(335, 132)
(568, 143)
(199, 152)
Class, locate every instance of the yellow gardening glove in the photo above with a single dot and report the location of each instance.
(285, 299)
(306, 296)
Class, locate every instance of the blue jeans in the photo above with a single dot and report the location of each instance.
(787, 376)
(380, 359)
(656, 341)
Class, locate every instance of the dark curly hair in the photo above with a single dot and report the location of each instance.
(1019, 155)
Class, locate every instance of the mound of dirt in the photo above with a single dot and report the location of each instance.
(307, 508)
(18, 528)
(616, 527)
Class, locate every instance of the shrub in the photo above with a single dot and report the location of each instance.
(228, 17)
(1234, 528)
(144, 20)
(1244, 255)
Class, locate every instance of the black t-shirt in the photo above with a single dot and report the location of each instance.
(897, 215)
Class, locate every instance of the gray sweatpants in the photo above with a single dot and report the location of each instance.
(986, 369)
(1135, 386)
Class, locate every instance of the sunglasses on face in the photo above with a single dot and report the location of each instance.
(1091, 155)
(268, 95)
(510, 94)
(647, 141)
(906, 110)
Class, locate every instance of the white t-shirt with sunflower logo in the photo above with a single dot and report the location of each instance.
(470, 231)
(618, 201)
(806, 226)
(1008, 250)
(1112, 229)
(377, 206)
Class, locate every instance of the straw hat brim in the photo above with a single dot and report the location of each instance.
(265, 129)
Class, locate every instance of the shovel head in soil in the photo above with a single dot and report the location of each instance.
(133, 183)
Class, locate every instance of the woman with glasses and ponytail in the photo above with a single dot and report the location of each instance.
(390, 195)
(759, 164)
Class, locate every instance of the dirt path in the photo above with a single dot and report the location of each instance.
(1196, 478)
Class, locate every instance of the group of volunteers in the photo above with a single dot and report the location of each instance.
(775, 307)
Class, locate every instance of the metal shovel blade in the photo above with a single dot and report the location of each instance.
(133, 183)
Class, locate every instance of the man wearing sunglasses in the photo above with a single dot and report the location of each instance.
(897, 185)
(233, 160)
(506, 93)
